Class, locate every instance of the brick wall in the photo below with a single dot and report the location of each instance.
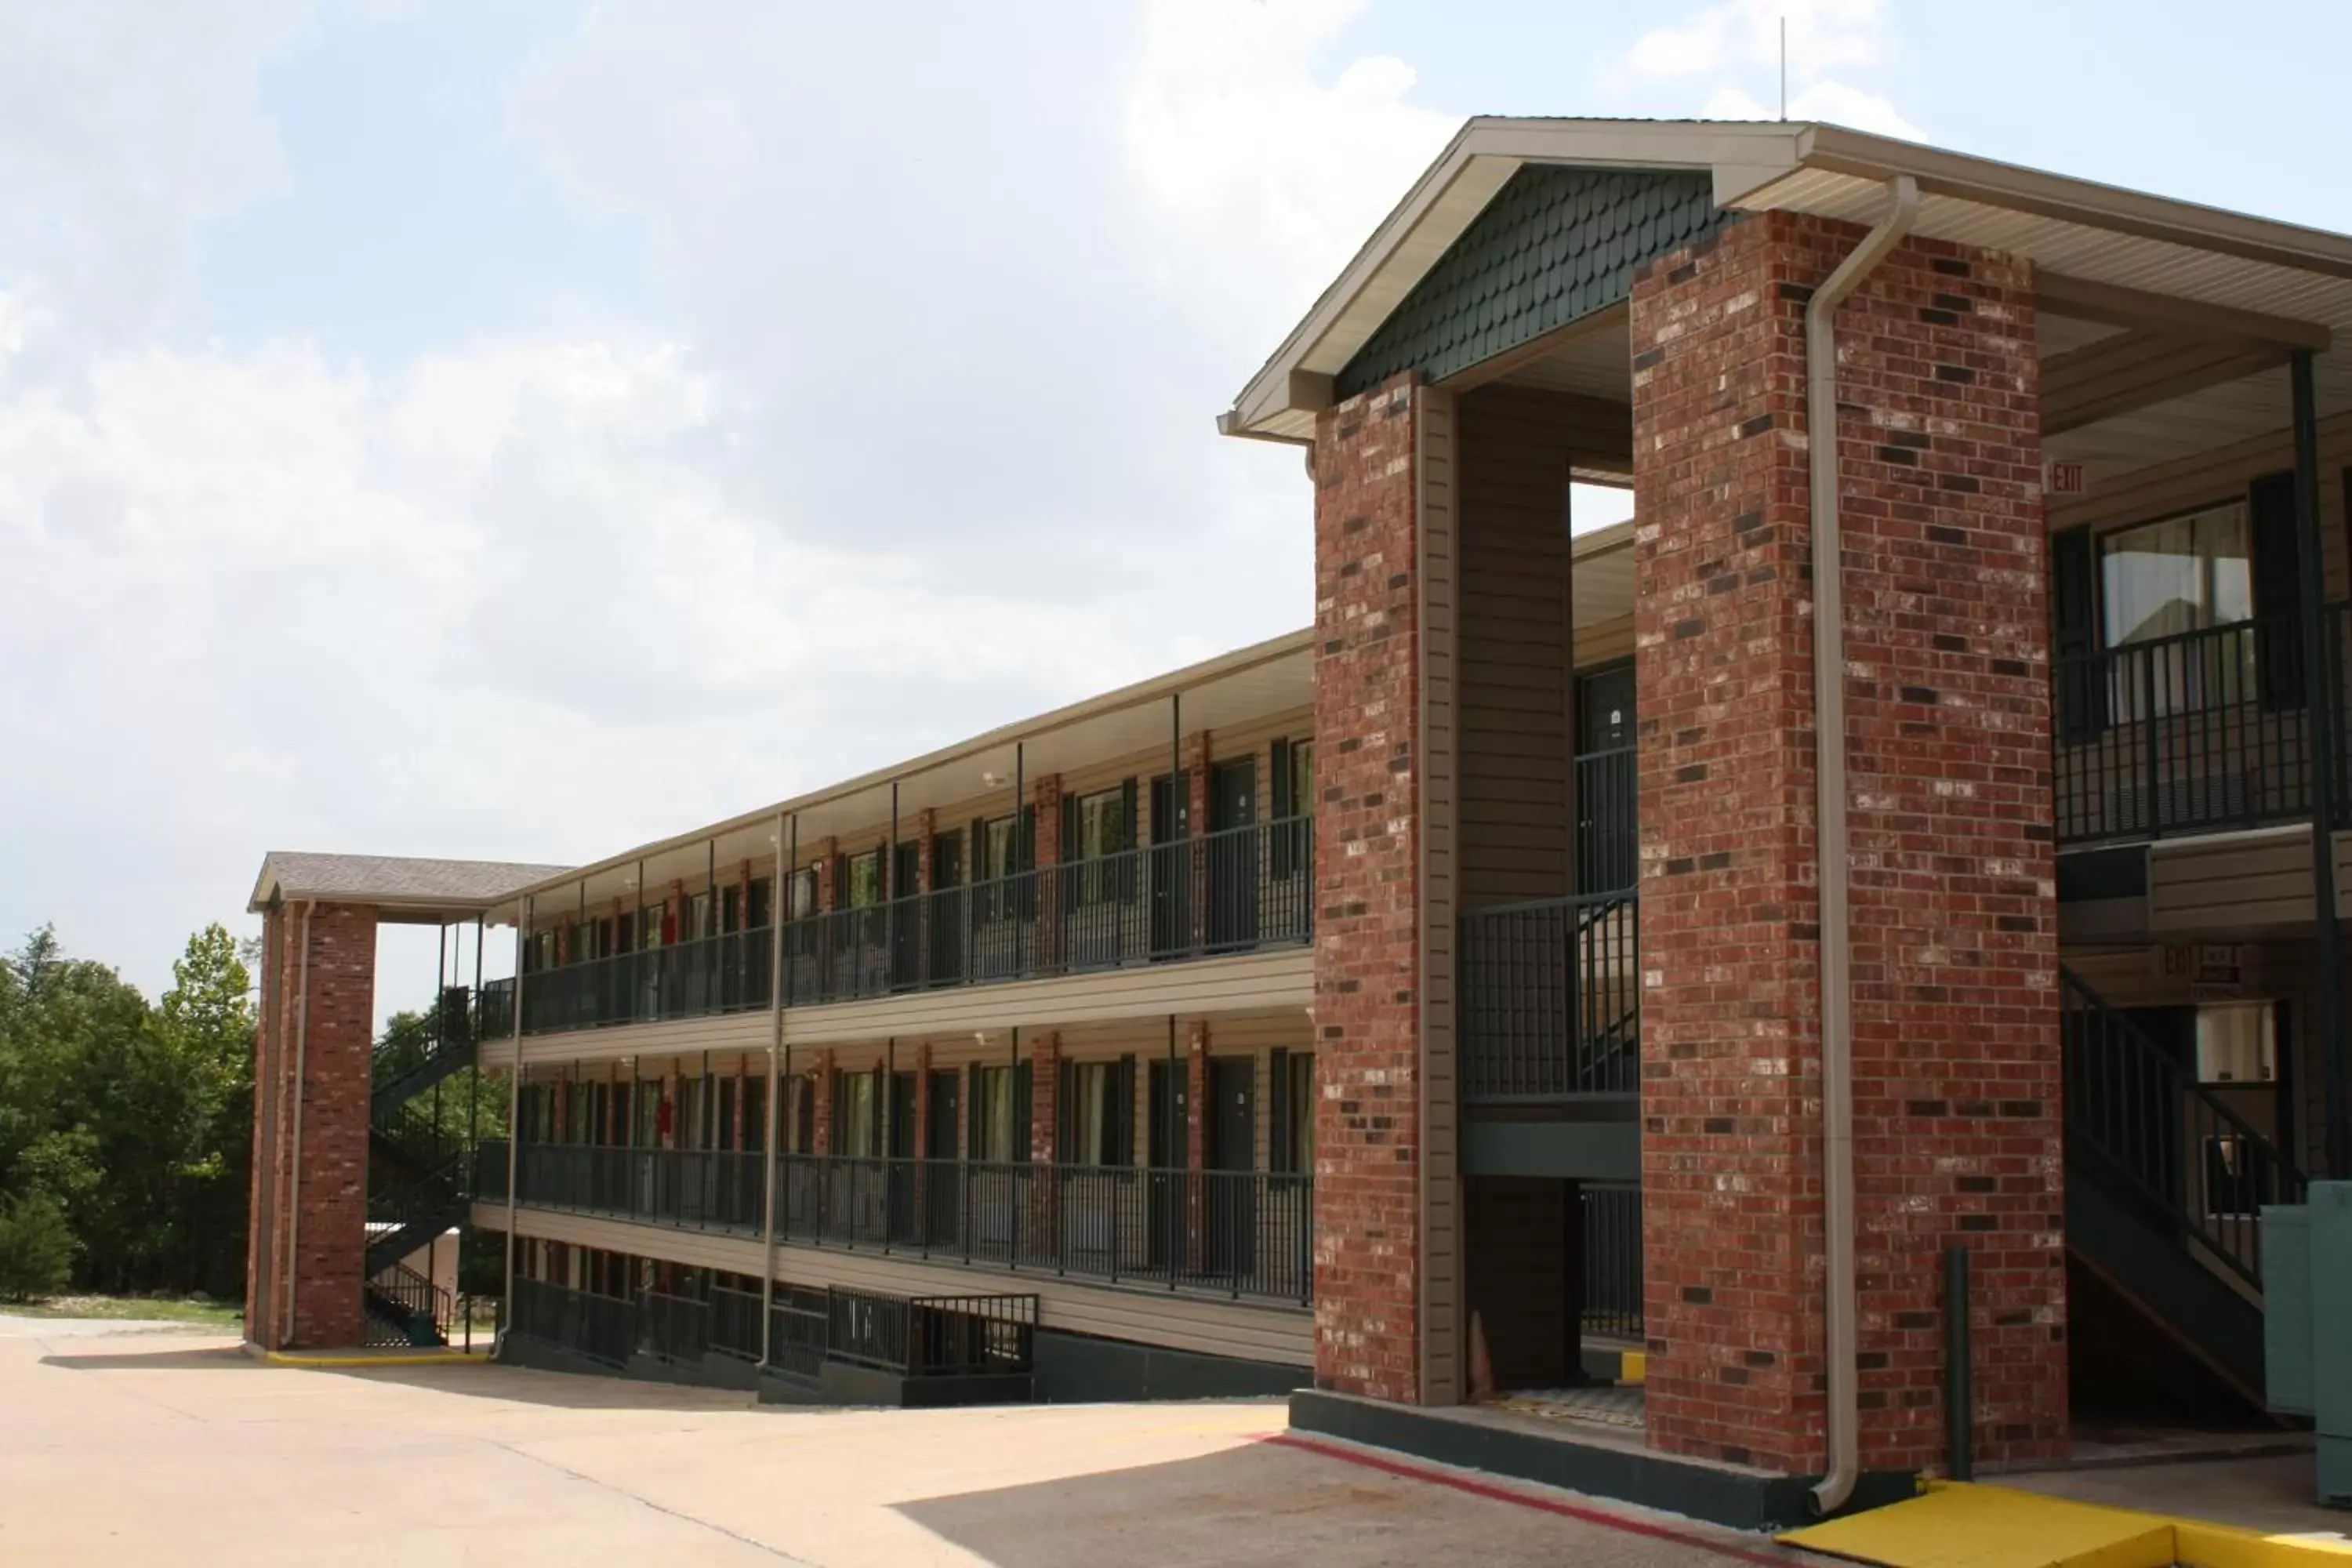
(1956, 1038)
(1045, 1096)
(325, 1254)
(1367, 938)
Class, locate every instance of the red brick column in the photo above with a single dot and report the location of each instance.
(1953, 918)
(821, 1115)
(923, 1100)
(1046, 795)
(827, 895)
(325, 1065)
(1196, 806)
(1045, 1097)
(1367, 882)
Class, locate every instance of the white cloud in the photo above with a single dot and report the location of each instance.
(1258, 173)
(1724, 61)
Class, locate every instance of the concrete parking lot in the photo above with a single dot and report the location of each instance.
(127, 1448)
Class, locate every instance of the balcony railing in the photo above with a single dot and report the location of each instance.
(1235, 892)
(600, 1327)
(1239, 890)
(1549, 1000)
(2199, 733)
(1236, 1233)
(701, 1189)
(1607, 848)
(725, 973)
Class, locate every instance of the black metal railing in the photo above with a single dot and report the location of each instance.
(488, 1182)
(494, 1010)
(1549, 1000)
(2197, 732)
(1608, 853)
(724, 973)
(402, 1307)
(1238, 890)
(600, 1327)
(1612, 1260)
(798, 1325)
(2134, 1110)
(1238, 1233)
(932, 1336)
(702, 1189)
(405, 1067)
(674, 1328)
(735, 1322)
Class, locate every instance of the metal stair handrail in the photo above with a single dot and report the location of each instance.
(2179, 1147)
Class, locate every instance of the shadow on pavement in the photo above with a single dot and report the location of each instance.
(213, 1358)
(1264, 1503)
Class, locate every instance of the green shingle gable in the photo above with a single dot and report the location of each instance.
(1554, 245)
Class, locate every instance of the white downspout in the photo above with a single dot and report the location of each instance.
(294, 1164)
(1830, 837)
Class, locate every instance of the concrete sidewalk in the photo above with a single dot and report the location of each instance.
(181, 1449)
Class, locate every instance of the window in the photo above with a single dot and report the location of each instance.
(1102, 832)
(864, 879)
(2183, 574)
(803, 893)
(1294, 806)
(995, 851)
(854, 1121)
(2162, 579)
(2237, 1043)
(993, 1122)
(1094, 1116)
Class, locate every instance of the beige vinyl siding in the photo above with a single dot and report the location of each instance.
(1142, 1316)
(1513, 696)
(1243, 983)
(1437, 506)
(2238, 882)
(1604, 642)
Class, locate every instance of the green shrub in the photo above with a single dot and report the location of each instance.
(37, 1247)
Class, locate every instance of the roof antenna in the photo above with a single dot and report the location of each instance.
(1784, 65)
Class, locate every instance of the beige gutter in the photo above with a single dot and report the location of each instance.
(514, 1119)
(1830, 838)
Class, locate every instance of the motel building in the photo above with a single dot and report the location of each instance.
(1756, 1030)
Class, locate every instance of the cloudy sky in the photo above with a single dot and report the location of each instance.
(522, 430)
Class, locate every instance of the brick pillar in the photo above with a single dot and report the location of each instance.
(827, 895)
(1046, 795)
(1196, 806)
(821, 1114)
(563, 1108)
(923, 1100)
(1044, 1094)
(1367, 896)
(315, 1047)
(1954, 917)
(1196, 1142)
(743, 1083)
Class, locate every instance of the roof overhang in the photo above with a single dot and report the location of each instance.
(1261, 679)
(402, 890)
(2088, 232)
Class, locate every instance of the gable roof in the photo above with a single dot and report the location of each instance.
(400, 886)
(2091, 233)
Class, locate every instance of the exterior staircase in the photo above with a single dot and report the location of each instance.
(2164, 1185)
(418, 1174)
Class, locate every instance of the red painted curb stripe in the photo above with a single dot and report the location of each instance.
(1542, 1504)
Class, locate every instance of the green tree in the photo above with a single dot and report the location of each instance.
(130, 1122)
(207, 1022)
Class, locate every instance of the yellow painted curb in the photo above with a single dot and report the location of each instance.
(434, 1358)
(1957, 1525)
(1634, 1366)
